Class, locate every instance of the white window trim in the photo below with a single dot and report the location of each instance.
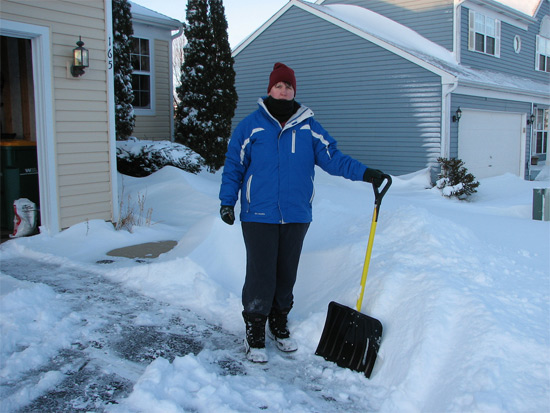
(534, 133)
(517, 43)
(43, 95)
(151, 110)
(537, 52)
(472, 32)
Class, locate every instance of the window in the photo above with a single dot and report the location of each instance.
(141, 76)
(484, 34)
(517, 43)
(540, 131)
(543, 54)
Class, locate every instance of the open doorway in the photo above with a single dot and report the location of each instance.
(18, 152)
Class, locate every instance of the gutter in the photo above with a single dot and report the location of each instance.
(155, 21)
(178, 33)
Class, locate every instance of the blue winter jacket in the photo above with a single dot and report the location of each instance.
(274, 167)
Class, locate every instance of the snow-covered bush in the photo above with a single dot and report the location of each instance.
(454, 179)
(142, 158)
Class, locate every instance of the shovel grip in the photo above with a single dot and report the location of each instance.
(379, 194)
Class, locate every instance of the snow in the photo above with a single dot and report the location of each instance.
(462, 289)
(402, 37)
(528, 7)
(153, 16)
(386, 29)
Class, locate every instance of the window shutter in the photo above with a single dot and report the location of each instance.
(497, 38)
(471, 31)
(537, 51)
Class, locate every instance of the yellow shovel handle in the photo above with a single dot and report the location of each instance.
(378, 195)
(367, 258)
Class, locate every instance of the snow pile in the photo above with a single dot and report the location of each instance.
(35, 324)
(461, 288)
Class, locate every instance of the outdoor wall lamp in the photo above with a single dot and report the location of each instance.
(81, 59)
(457, 115)
(531, 119)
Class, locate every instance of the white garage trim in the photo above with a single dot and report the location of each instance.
(492, 143)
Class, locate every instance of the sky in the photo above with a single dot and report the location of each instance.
(243, 16)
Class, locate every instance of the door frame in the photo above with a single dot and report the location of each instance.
(45, 136)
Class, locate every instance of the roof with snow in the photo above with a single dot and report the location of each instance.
(147, 16)
(528, 7)
(410, 45)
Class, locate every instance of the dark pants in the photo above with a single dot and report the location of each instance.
(272, 257)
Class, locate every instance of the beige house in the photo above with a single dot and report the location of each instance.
(59, 126)
(152, 78)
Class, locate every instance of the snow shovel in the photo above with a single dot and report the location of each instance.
(351, 339)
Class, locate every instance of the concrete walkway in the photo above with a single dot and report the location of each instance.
(145, 250)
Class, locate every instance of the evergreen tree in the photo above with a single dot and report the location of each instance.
(455, 180)
(207, 95)
(122, 47)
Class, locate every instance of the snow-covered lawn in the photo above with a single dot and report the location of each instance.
(461, 288)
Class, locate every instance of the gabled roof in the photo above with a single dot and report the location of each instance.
(144, 15)
(528, 7)
(409, 45)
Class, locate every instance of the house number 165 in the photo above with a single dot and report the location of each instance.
(110, 54)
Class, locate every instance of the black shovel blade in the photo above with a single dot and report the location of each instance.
(350, 339)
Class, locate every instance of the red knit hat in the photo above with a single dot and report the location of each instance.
(281, 73)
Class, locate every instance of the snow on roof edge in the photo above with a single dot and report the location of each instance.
(386, 30)
(143, 13)
(528, 7)
(410, 41)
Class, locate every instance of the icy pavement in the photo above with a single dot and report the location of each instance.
(109, 348)
(118, 334)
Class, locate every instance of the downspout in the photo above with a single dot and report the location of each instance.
(171, 57)
(457, 22)
(530, 131)
(111, 109)
(446, 90)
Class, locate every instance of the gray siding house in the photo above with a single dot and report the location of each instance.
(400, 83)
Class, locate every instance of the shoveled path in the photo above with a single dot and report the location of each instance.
(115, 345)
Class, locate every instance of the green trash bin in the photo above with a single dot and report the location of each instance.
(541, 204)
(19, 169)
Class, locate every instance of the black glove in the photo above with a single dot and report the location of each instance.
(228, 214)
(374, 176)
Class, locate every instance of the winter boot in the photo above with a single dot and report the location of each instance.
(278, 331)
(254, 342)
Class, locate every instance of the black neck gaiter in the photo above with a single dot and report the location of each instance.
(281, 109)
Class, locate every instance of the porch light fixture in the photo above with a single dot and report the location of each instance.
(457, 115)
(531, 119)
(81, 58)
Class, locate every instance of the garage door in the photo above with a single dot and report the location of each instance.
(491, 143)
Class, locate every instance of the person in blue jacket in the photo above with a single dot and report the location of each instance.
(271, 160)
